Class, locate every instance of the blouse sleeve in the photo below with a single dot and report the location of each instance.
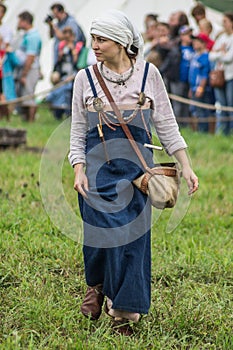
(215, 53)
(79, 123)
(162, 114)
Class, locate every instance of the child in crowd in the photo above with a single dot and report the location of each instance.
(205, 28)
(200, 89)
(68, 52)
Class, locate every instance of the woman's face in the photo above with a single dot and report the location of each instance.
(68, 35)
(105, 49)
(227, 24)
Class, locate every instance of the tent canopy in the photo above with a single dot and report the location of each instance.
(222, 6)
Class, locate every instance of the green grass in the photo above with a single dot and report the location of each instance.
(42, 274)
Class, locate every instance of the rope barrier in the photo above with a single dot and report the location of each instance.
(200, 104)
(44, 92)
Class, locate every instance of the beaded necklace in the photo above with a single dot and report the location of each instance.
(119, 81)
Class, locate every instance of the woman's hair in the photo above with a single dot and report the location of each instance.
(198, 10)
(133, 53)
(152, 17)
(183, 19)
(3, 6)
(164, 24)
(229, 15)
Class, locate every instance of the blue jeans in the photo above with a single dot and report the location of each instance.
(200, 112)
(224, 97)
(181, 110)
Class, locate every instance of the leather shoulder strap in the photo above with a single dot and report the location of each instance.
(119, 117)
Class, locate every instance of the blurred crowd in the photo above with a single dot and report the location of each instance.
(20, 62)
(185, 57)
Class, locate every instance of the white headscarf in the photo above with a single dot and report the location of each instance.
(116, 26)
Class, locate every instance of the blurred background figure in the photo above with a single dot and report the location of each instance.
(2, 58)
(199, 12)
(66, 65)
(57, 98)
(200, 89)
(5, 30)
(177, 73)
(176, 20)
(29, 73)
(206, 28)
(9, 61)
(68, 52)
(159, 45)
(222, 56)
(150, 24)
(64, 19)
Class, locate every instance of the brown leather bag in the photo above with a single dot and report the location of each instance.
(216, 78)
(160, 183)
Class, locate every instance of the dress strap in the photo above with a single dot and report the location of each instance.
(93, 85)
(145, 76)
(91, 82)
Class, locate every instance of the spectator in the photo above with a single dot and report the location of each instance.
(222, 53)
(11, 61)
(205, 28)
(199, 12)
(30, 72)
(63, 20)
(151, 35)
(159, 45)
(2, 58)
(5, 31)
(200, 90)
(68, 51)
(66, 66)
(57, 98)
(176, 21)
(150, 18)
(179, 59)
(163, 32)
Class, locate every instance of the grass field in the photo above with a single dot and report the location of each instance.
(41, 269)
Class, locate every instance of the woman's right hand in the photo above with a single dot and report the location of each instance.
(80, 180)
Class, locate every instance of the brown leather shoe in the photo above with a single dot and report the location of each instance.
(92, 303)
(122, 326)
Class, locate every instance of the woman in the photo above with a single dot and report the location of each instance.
(222, 56)
(117, 216)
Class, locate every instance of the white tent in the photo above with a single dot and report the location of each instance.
(84, 11)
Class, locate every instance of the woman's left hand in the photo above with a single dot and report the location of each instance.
(191, 179)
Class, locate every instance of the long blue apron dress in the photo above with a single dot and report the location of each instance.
(117, 216)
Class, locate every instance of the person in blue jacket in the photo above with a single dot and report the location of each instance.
(200, 90)
(11, 61)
